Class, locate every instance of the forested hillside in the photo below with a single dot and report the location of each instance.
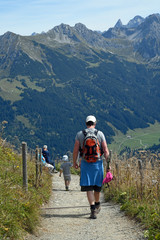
(49, 86)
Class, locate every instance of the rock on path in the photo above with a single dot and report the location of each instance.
(66, 217)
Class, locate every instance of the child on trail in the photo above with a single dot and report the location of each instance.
(108, 177)
(65, 168)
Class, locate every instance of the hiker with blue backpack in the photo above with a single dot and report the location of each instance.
(91, 144)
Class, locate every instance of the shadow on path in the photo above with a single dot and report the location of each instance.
(65, 215)
(64, 190)
(65, 207)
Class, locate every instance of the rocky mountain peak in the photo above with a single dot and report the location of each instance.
(151, 26)
(90, 37)
(62, 28)
(153, 18)
(80, 27)
(62, 33)
(118, 24)
(137, 20)
(8, 39)
(9, 35)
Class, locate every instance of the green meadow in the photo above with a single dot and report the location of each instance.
(135, 139)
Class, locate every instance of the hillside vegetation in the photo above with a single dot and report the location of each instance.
(140, 138)
(136, 187)
(50, 82)
(19, 210)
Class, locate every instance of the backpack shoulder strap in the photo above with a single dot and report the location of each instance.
(84, 132)
(80, 148)
(96, 132)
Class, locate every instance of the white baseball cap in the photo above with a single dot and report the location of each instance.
(45, 146)
(65, 158)
(91, 118)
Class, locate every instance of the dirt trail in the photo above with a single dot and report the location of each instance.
(66, 217)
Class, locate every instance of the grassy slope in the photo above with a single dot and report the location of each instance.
(19, 210)
(137, 196)
(11, 89)
(138, 138)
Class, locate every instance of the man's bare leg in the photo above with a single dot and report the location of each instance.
(91, 200)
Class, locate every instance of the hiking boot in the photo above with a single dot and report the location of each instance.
(97, 208)
(93, 214)
(67, 188)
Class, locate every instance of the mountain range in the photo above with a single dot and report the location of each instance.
(50, 82)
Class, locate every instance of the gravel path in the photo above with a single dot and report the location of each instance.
(66, 217)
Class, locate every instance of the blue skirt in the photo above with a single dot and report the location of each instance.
(91, 173)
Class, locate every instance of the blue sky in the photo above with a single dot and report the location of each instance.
(27, 16)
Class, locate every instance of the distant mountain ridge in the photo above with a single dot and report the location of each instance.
(49, 82)
(143, 34)
(137, 20)
(136, 32)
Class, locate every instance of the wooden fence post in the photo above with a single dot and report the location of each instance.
(109, 159)
(117, 173)
(31, 156)
(36, 166)
(57, 158)
(40, 160)
(141, 176)
(158, 179)
(24, 159)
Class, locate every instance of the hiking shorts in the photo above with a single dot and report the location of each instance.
(90, 188)
(67, 178)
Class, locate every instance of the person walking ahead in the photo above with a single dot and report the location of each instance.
(65, 168)
(91, 144)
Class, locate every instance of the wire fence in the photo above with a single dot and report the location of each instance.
(142, 175)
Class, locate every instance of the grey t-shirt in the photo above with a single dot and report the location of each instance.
(80, 136)
(65, 167)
